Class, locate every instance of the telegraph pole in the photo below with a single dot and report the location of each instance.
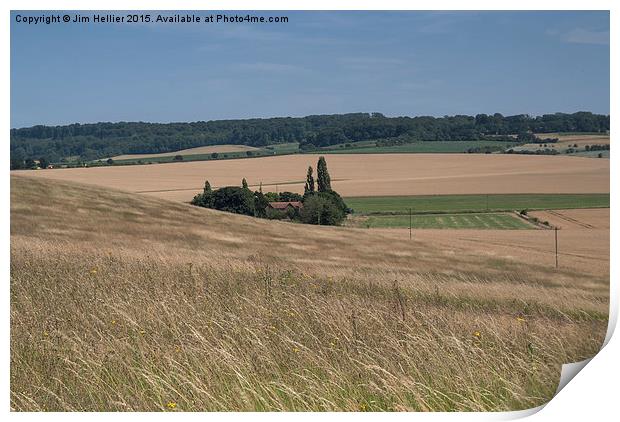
(556, 247)
(409, 223)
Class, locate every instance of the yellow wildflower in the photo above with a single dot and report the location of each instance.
(93, 271)
(477, 334)
(520, 319)
(363, 407)
(45, 333)
(295, 350)
(113, 322)
(171, 405)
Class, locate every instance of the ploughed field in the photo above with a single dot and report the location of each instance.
(129, 302)
(358, 174)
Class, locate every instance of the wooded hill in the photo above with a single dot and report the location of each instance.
(100, 140)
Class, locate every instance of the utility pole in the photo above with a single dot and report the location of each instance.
(410, 223)
(556, 247)
(487, 202)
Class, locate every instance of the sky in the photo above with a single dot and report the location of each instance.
(395, 63)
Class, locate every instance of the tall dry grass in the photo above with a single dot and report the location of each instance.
(124, 303)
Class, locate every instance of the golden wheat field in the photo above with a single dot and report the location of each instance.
(131, 302)
(358, 174)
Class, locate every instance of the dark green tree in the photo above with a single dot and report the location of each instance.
(244, 184)
(309, 187)
(320, 209)
(272, 196)
(43, 163)
(17, 164)
(260, 205)
(322, 176)
(204, 199)
(234, 199)
(289, 196)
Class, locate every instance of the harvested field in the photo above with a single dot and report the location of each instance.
(191, 151)
(573, 219)
(358, 175)
(566, 141)
(128, 302)
(579, 139)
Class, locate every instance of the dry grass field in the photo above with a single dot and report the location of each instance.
(130, 302)
(191, 151)
(358, 175)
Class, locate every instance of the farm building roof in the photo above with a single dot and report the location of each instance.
(283, 205)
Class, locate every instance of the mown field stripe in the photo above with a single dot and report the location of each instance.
(449, 221)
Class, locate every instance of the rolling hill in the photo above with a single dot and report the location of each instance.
(129, 302)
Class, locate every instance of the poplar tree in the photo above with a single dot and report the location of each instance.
(322, 176)
(309, 188)
(244, 183)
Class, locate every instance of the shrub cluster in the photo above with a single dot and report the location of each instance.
(322, 205)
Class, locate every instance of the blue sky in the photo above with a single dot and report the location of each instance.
(396, 63)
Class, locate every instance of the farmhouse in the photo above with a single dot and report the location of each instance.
(283, 206)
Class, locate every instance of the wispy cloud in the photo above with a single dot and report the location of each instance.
(584, 36)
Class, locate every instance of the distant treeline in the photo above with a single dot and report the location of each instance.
(100, 140)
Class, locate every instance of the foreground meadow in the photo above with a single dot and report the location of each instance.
(125, 302)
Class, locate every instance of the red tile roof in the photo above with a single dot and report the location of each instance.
(283, 205)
